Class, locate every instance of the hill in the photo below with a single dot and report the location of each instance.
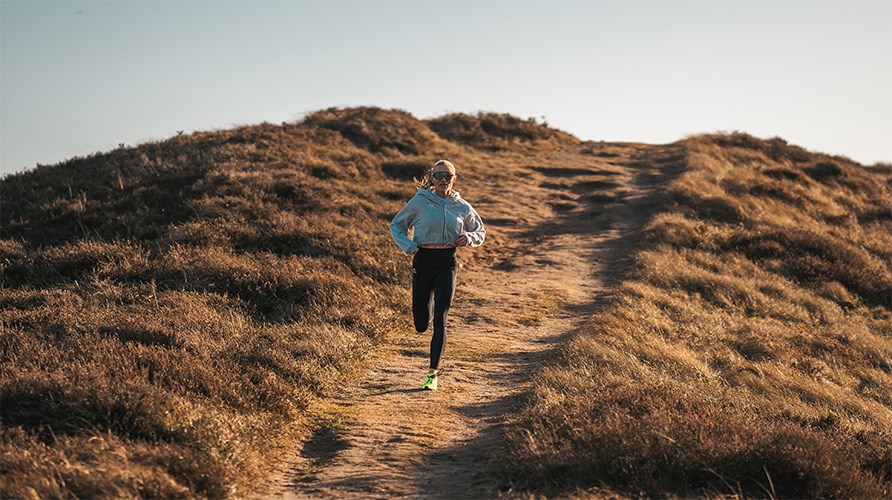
(169, 310)
(176, 314)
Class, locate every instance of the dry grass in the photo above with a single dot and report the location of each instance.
(170, 310)
(749, 351)
(496, 132)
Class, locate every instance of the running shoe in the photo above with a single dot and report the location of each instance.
(430, 382)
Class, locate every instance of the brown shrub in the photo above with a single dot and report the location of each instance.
(376, 129)
(494, 131)
(777, 149)
(660, 437)
(812, 258)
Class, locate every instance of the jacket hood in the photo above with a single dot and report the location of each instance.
(429, 193)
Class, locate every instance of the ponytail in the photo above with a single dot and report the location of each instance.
(427, 179)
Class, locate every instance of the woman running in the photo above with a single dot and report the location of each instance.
(441, 221)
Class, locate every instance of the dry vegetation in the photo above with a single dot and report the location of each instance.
(749, 351)
(170, 310)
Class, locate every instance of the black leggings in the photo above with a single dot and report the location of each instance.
(433, 286)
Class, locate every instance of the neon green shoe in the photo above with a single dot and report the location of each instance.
(430, 382)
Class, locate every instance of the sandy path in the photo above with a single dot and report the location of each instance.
(557, 256)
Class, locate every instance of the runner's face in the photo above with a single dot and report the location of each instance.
(443, 186)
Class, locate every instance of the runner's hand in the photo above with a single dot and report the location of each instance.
(461, 241)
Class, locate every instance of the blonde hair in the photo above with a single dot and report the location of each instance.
(427, 178)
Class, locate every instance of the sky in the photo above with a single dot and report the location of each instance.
(82, 77)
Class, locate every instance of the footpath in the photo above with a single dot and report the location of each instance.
(560, 231)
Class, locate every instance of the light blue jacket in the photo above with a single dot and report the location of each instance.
(436, 220)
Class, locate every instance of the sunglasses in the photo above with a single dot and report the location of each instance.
(442, 175)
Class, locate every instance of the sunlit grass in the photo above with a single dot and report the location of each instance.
(171, 310)
(749, 351)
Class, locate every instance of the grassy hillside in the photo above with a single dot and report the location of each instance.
(169, 310)
(748, 351)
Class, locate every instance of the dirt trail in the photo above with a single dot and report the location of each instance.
(559, 233)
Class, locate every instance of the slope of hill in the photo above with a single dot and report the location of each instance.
(747, 352)
(175, 313)
(169, 310)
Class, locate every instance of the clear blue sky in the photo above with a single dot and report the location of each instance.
(81, 77)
